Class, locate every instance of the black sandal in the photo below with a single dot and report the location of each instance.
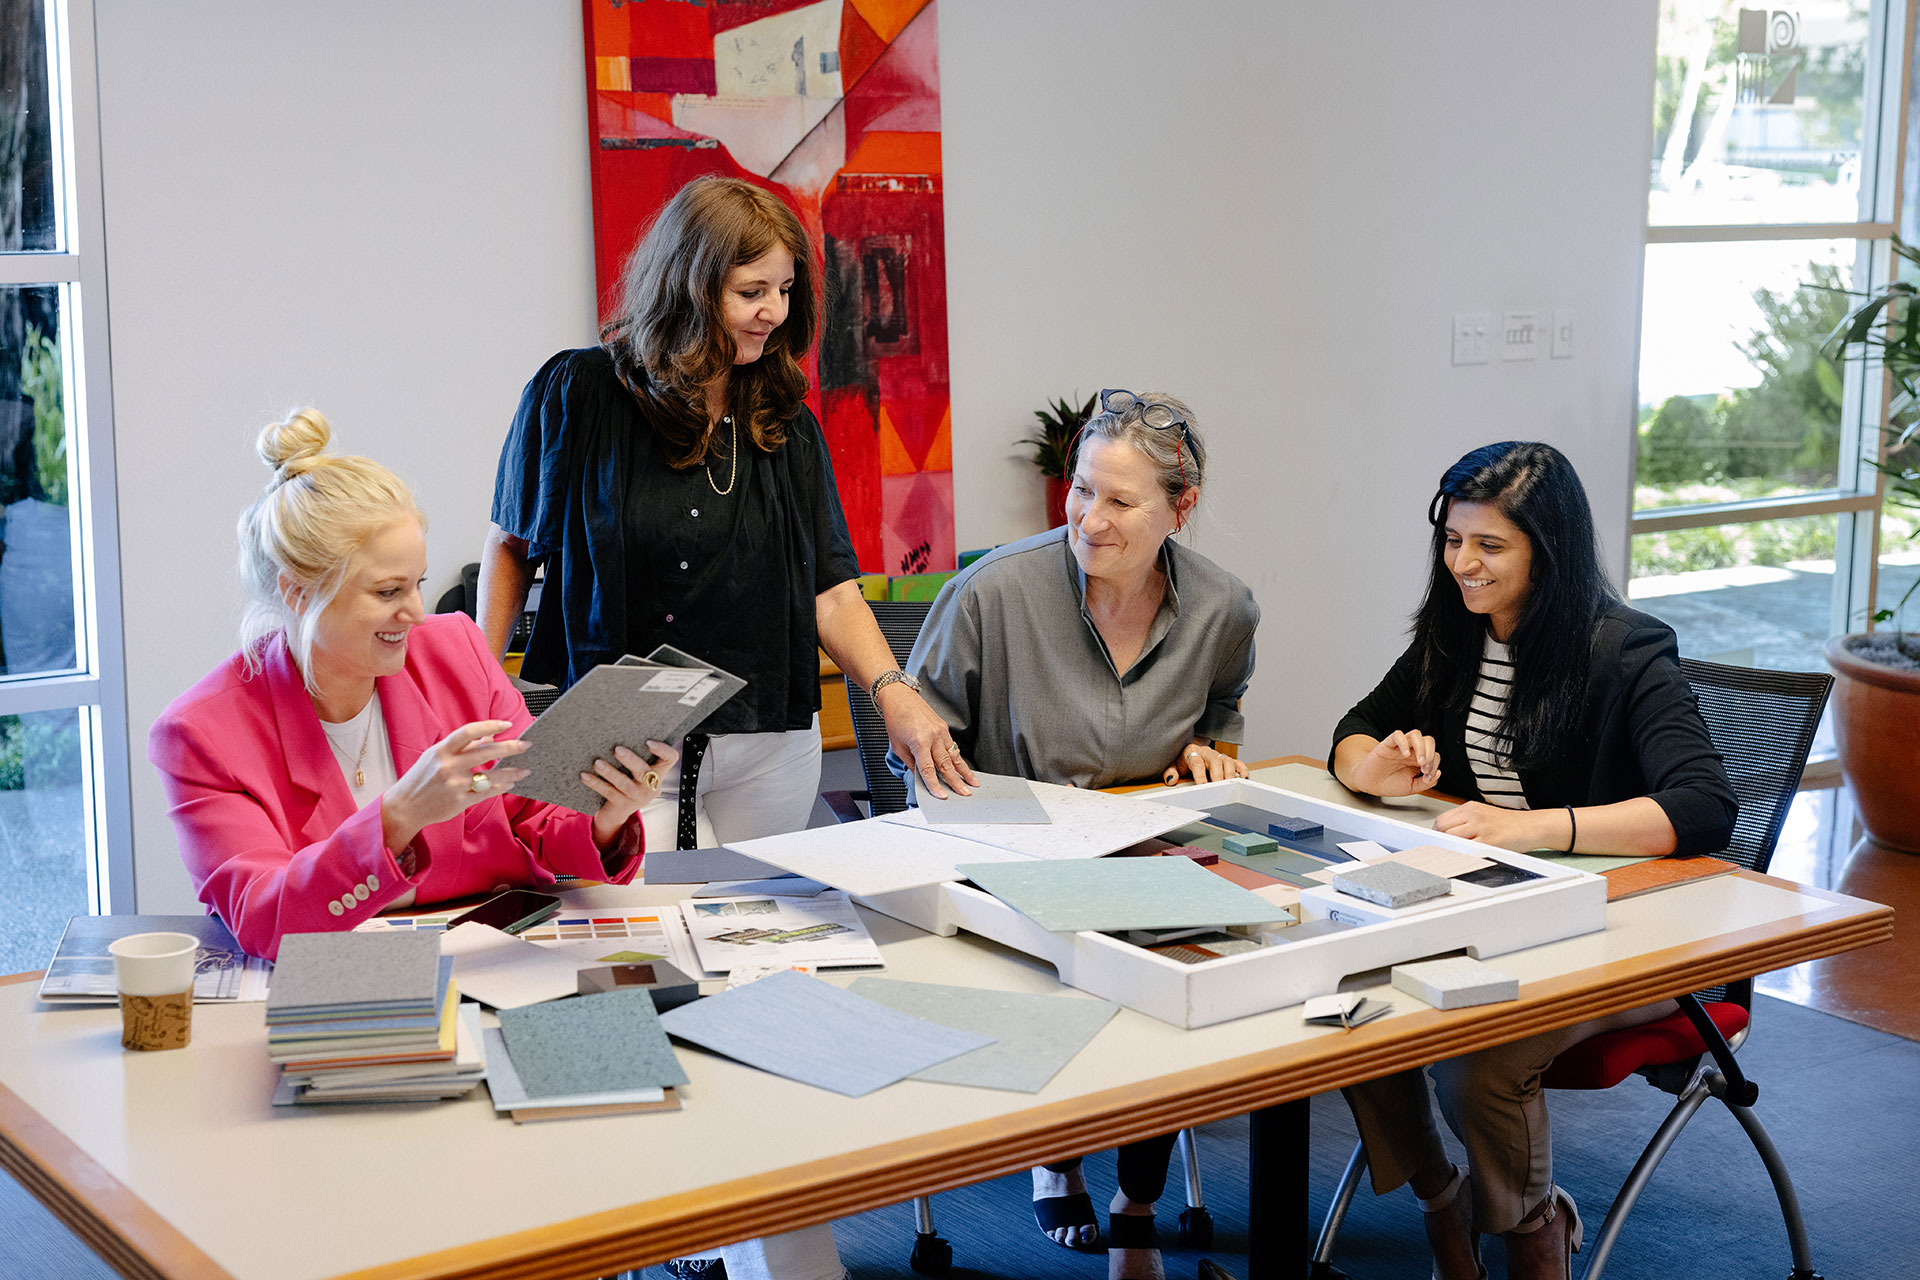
(1069, 1212)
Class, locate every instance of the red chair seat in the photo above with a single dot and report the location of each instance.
(1605, 1060)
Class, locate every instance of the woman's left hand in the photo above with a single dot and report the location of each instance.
(924, 742)
(625, 784)
(1515, 829)
(1203, 764)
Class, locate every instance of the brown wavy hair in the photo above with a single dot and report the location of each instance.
(669, 339)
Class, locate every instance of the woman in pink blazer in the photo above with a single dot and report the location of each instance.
(346, 760)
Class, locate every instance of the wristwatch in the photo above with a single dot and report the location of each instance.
(895, 676)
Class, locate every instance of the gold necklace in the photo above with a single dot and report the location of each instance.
(359, 761)
(733, 459)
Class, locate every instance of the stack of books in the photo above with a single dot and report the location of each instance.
(368, 1017)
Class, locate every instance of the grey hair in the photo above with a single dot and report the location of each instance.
(1179, 457)
(318, 511)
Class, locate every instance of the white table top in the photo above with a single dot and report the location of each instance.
(294, 1193)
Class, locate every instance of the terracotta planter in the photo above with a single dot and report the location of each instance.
(1056, 502)
(1876, 712)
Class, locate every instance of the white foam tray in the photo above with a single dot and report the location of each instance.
(1481, 922)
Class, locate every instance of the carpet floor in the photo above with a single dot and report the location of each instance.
(1838, 1098)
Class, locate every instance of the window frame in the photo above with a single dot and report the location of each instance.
(97, 691)
(1859, 490)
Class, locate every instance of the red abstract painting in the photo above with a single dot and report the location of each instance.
(834, 106)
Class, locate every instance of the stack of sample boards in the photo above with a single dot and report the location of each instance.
(368, 1017)
(598, 1055)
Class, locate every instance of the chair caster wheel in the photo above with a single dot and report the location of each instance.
(1196, 1228)
(931, 1255)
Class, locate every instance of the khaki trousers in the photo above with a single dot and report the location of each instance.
(1493, 1102)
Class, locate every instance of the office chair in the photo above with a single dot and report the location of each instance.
(1762, 723)
(900, 621)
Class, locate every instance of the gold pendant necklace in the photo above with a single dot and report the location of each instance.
(359, 761)
(733, 459)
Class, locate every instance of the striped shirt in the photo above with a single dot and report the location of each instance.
(1486, 741)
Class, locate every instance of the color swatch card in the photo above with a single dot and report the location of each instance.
(1033, 1036)
(1111, 894)
(997, 797)
(823, 931)
(808, 1030)
(1085, 824)
(605, 1043)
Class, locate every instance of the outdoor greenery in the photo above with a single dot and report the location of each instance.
(40, 381)
(42, 749)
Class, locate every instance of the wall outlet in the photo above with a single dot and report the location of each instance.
(1522, 334)
(1563, 333)
(1472, 337)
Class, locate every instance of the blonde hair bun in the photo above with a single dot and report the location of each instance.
(294, 445)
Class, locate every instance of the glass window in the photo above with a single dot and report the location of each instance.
(43, 835)
(1899, 560)
(1756, 595)
(1736, 399)
(1757, 113)
(26, 131)
(37, 621)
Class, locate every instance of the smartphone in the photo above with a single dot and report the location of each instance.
(512, 911)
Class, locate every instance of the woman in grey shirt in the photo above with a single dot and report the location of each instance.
(1100, 653)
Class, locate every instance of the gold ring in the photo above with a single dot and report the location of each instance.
(480, 784)
(650, 780)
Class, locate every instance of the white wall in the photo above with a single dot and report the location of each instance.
(383, 210)
(1274, 211)
(379, 209)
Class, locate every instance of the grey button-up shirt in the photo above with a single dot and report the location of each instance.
(1011, 659)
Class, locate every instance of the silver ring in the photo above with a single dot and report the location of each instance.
(953, 749)
(480, 784)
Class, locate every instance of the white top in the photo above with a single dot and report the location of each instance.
(1486, 742)
(374, 764)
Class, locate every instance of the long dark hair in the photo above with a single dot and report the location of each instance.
(1534, 486)
(669, 339)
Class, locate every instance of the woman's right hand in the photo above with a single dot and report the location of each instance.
(448, 778)
(1404, 763)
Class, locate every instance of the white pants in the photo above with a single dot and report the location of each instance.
(751, 784)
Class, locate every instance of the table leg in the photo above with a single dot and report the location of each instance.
(1277, 1232)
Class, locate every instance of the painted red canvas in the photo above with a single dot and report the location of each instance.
(835, 107)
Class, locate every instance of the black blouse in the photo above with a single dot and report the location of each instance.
(639, 554)
(1640, 734)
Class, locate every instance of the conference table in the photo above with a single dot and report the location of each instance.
(175, 1165)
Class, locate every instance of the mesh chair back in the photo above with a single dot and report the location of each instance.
(1762, 723)
(900, 622)
(538, 700)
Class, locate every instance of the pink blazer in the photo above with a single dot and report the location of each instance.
(267, 825)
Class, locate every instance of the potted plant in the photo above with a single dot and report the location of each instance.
(1060, 422)
(1876, 695)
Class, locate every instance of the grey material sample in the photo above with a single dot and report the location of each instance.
(509, 1091)
(702, 866)
(625, 704)
(1456, 982)
(998, 797)
(1390, 884)
(594, 1044)
(1110, 894)
(816, 1033)
(1034, 1036)
(388, 970)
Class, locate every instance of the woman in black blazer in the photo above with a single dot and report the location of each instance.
(1563, 719)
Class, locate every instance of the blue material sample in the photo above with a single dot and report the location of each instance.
(813, 1032)
(1295, 828)
(1111, 894)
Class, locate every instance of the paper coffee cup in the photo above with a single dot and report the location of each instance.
(154, 973)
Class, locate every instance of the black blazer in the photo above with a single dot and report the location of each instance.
(1641, 735)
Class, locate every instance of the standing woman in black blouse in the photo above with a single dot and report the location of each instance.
(679, 492)
(1564, 720)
